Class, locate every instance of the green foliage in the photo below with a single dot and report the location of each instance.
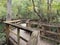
(2, 34)
(24, 8)
(3, 11)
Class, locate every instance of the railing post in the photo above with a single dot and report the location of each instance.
(18, 38)
(27, 23)
(34, 38)
(7, 34)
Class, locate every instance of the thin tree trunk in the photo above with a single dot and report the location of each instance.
(49, 2)
(9, 16)
(38, 13)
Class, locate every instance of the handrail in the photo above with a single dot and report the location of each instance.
(12, 21)
(21, 27)
(18, 30)
(50, 25)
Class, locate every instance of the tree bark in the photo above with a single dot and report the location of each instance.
(38, 13)
(49, 2)
(9, 16)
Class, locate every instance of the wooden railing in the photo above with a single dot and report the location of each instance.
(46, 30)
(11, 23)
(8, 24)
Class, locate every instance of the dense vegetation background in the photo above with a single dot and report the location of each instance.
(47, 9)
(25, 9)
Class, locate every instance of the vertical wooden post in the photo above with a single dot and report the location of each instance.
(43, 33)
(34, 38)
(7, 34)
(28, 23)
(18, 38)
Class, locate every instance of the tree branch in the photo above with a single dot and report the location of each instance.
(38, 13)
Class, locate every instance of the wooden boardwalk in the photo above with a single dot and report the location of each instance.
(26, 35)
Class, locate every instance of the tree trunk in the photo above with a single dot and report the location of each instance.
(49, 2)
(9, 16)
(37, 12)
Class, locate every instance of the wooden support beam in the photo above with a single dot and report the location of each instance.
(21, 27)
(49, 38)
(12, 21)
(34, 38)
(7, 34)
(25, 29)
(18, 36)
(13, 40)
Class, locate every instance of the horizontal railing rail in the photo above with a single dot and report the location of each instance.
(8, 24)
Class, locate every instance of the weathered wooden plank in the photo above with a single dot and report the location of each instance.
(14, 41)
(7, 34)
(41, 42)
(51, 32)
(50, 38)
(12, 21)
(51, 25)
(34, 38)
(18, 36)
(21, 27)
